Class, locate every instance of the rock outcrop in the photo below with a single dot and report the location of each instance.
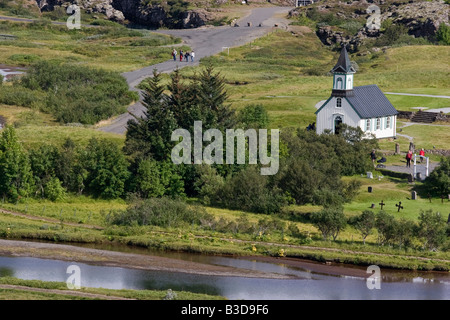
(421, 19)
(154, 16)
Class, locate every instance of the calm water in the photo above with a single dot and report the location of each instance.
(309, 286)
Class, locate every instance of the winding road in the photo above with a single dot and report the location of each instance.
(205, 41)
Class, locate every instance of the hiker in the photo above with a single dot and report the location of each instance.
(186, 56)
(174, 55)
(181, 55)
(421, 154)
(192, 56)
(408, 159)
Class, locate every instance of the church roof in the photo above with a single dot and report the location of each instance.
(343, 64)
(370, 102)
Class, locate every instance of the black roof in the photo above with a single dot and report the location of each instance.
(343, 64)
(370, 102)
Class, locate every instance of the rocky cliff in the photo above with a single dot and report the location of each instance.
(136, 11)
(418, 18)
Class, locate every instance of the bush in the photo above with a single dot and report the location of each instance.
(330, 222)
(438, 183)
(163, 212)
(253, 117)
(54, 190)
(250, 191)
(443, 34)
(74, 93)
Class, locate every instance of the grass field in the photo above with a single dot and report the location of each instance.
(111, 47)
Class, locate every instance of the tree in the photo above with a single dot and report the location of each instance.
(212, 98)
(106, 167)
(54, 190)
(43, 164)
(15, 173)
(253, 116)
(443, 34)
(148, 180)
(386, 227)
(364, 223)
(404, 232)
(150, 136)
(432, 229)
(329, 221)
(248, 190)
(438, 183)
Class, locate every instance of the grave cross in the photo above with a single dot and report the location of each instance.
(399, 206)
(382, 204)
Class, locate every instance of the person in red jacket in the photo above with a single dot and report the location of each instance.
(408, 159)
(422, 154)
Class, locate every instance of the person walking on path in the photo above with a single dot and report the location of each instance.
(186, 56)
(174, 55)
(192, 56)
(408, 159)
(421, 154)
(181, 56)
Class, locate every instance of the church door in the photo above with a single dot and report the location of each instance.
(337, 124)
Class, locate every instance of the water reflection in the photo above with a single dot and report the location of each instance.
(308, 286)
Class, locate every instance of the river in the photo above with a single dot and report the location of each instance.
(304, 285)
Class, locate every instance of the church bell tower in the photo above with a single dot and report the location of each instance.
(343, 76)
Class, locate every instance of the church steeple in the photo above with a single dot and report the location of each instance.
(343, 76)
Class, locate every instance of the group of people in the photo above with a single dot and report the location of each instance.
(184, 55)
(408, 157)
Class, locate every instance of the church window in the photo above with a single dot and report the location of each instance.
(339, 84)
(338, 102)
(368, 125)
(378, 123)
(388, 122)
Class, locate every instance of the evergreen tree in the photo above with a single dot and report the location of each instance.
(212, 98)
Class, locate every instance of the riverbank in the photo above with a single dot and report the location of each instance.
(152, 261)
(64, 252)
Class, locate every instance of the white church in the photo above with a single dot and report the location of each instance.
(365, 107)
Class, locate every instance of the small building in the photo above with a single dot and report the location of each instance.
(365, 107)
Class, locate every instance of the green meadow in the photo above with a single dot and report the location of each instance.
(287, 73)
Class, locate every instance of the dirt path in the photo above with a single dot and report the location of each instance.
(62, 292)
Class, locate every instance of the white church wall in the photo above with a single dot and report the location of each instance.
(326, 116)
(380, 132)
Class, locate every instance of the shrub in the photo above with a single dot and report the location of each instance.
(163, 212)
(75, 93)
(443, 34)
(250, 191)
(54, 190)
(329, 221)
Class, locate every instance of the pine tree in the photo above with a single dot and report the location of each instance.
(212, 100)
